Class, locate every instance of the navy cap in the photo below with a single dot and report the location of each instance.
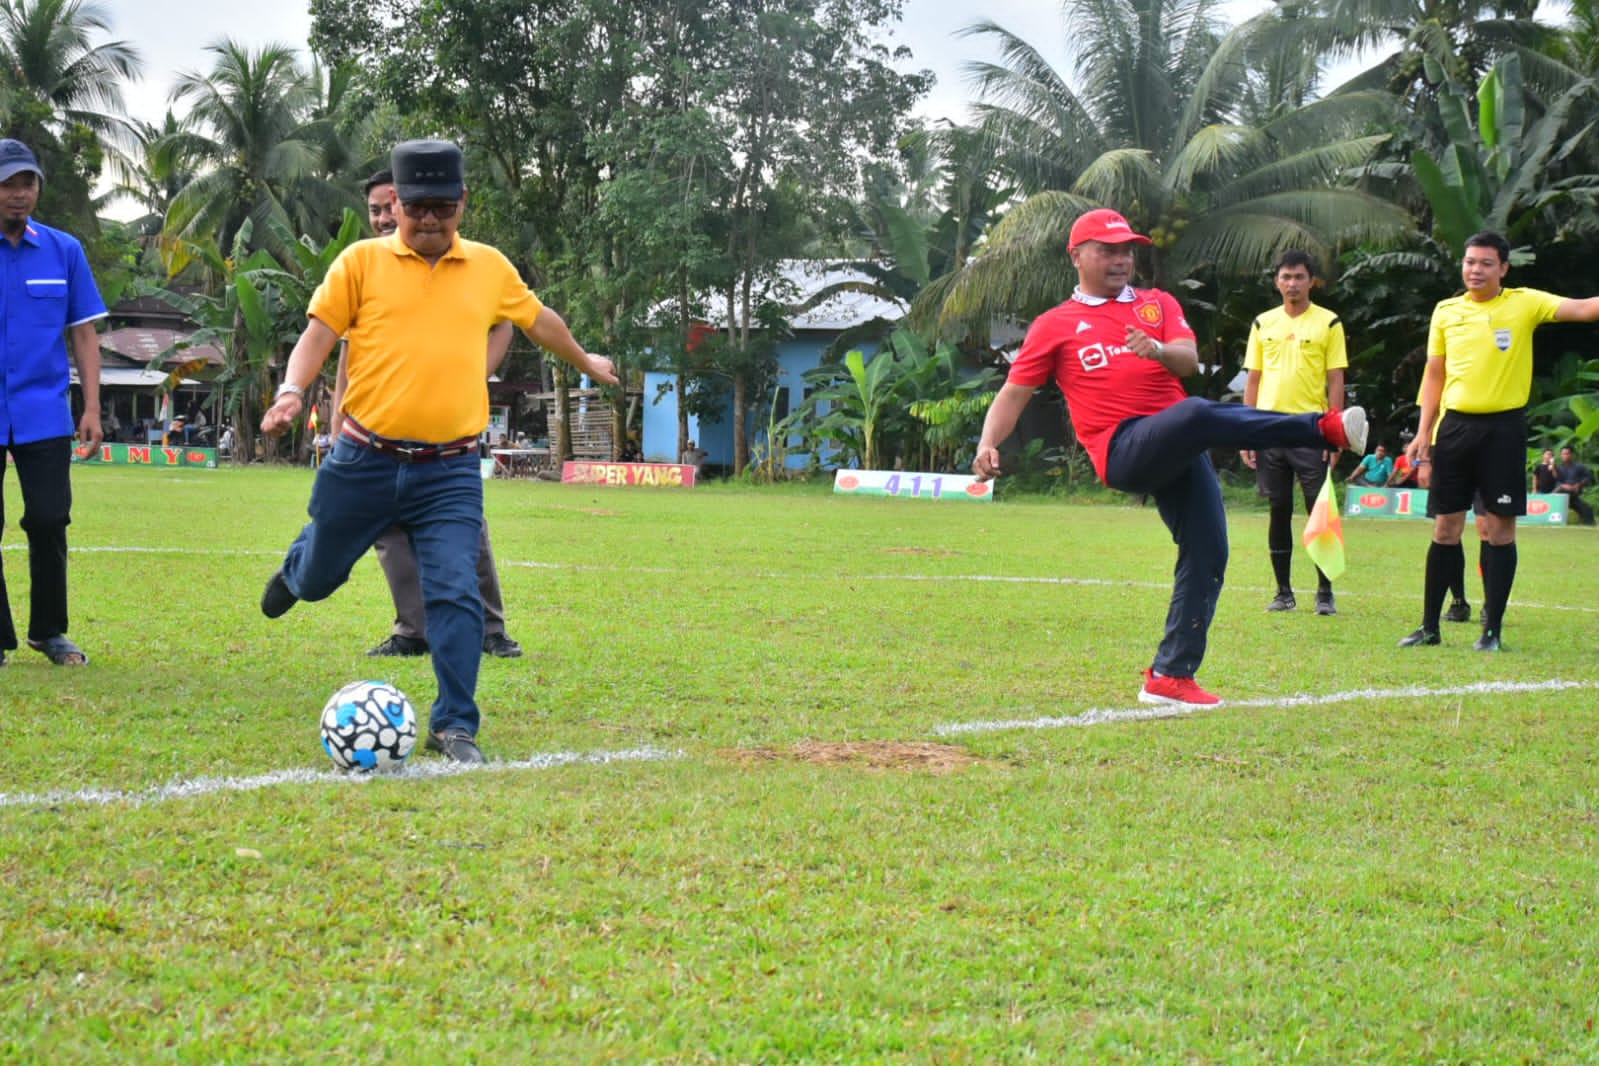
(428, 170)
(15, 157)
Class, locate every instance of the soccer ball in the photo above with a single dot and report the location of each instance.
(368, 725)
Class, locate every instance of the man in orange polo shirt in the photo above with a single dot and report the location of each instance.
(416, 308)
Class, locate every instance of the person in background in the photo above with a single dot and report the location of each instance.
(48, 306)
(1296, 360)
(1374, 470)
(1571, 478)
(1544, 476)
(1471, 435)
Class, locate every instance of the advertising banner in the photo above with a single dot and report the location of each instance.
(657, 475)
(911, 486)
(165, 455)
(1542, 509)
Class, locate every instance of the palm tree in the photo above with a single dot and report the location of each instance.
(1463, 37)
(61, 93)
(153, 174)
(48, 55)
(1164, 129)
(260, 158)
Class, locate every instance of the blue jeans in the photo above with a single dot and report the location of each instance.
(358, 494)
(1166, 455)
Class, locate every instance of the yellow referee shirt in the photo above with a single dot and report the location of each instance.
(1293, 356)
(418, 334)
(1487, 348)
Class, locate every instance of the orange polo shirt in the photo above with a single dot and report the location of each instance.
(418, 334)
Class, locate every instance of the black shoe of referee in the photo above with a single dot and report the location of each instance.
(1421, 637)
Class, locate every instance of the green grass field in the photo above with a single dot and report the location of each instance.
(783, 829)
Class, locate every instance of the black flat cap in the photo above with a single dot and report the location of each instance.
(427, 170)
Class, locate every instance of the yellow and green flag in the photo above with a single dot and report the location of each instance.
(1324, 532)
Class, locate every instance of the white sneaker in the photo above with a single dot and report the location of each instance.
(1355, 429)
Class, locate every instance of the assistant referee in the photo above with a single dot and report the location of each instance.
(1479, 374)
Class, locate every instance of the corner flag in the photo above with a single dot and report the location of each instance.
(1324, 532)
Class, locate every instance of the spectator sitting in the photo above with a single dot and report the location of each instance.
(1374, 469)
(1573, 477)
(1404, 475)
(1545, 476)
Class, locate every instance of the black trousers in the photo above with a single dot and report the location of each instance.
(44, 474)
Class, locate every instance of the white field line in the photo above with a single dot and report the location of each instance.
(1012, 579)
(1104, 716)
(411, 771)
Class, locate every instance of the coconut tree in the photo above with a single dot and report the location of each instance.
(1167, 127)
(61, 93)
(260, 156)
(153, 173)
(49, 55)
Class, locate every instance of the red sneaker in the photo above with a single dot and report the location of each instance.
(1182, 691)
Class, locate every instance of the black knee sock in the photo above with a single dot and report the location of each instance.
(1445, 563)
(1498, 575)
(1280, 542)
(1457, 578)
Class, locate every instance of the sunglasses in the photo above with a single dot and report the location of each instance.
(439, 209)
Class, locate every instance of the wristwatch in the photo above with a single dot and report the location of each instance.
(1160, 349)
(287, 388)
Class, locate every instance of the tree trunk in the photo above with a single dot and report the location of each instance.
(561, 445)
(682, 418)
(741, 410)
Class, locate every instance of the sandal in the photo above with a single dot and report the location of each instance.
(61, 651)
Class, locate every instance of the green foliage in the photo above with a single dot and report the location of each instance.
(258, 312)
(1494, 173)
(910, 404)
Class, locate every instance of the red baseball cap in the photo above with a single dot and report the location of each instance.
(1106, 226)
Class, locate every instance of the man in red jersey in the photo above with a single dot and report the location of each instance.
(1119, 355)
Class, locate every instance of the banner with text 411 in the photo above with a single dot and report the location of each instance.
(911, 486)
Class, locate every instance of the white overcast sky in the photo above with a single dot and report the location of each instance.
(172, 36)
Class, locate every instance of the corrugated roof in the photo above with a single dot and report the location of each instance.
(144, 344)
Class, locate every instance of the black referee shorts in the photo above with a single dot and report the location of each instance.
(1276, 469)
(1480, 456)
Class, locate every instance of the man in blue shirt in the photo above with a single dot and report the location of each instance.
(47, 299)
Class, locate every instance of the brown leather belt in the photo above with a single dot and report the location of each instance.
(406, 451)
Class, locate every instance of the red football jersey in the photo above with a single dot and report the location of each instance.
(1082, 344)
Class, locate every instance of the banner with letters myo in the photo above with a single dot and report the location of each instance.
(166, 455)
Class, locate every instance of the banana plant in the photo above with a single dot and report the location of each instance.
(1494, 174)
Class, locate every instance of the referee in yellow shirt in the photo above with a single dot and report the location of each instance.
(1479, 374)
(417, 307)
(1295, 360)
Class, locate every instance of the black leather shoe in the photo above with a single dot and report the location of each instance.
(276, 599)
(398, 645)
(1489, 641)
(1459, 611)
(455, 745)
(1420, 637)
(501, 646)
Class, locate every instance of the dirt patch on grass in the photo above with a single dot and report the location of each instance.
(918, 551)
(870, 754)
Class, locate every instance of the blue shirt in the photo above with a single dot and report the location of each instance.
(45, 287)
